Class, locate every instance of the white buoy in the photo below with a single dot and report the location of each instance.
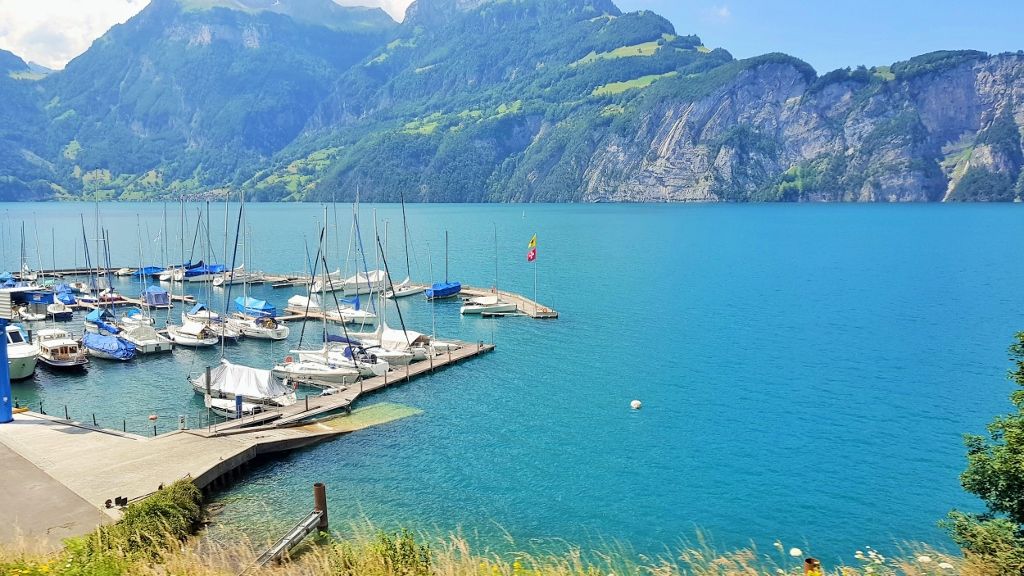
(635, 404)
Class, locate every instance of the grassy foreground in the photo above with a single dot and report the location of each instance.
(155, 538)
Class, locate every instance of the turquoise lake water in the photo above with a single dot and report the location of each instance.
(806, 371)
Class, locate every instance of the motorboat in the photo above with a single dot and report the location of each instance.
(59, 311)
(193, 334)
(21, 354)
(124, 272)
(146, 339)
(57, 349)
(25, 314)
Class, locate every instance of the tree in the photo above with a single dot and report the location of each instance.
(995, 473)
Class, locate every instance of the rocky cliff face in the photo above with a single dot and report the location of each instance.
(771, 133)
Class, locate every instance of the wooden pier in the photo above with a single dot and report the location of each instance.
(313, 407)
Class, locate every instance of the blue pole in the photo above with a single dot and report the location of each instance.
(6, 404)
(238, 407)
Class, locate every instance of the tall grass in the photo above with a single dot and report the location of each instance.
(153, 539)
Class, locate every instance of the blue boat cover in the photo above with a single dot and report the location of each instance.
(201, 269)
(100, 317)
(253, 307)
(67, 298)
(112, 345)
(5, 276)
(132, 312)
(197, 308)
(353, 302)
(148, 271)
(156, 296)
(189, 265)
(443, 289)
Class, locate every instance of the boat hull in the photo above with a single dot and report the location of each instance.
(499, 308)
(65, 365)
(21, 368)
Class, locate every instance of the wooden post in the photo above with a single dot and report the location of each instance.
(812, 567)
(94, 419)
(320, 504)
(124, 425)
(66, 412)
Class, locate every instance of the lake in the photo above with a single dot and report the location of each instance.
(806, 371)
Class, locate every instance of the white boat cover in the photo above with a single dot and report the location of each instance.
(142, 333)
(238, 380)
(192, 328)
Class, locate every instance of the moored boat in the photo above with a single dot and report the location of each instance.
(21, 354)
(108, 346)
(146, 339)
(193, 334)
(57, 349)
(253, 385)
(487, 305)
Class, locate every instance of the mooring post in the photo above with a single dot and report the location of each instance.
(124, 425)
(208, 381)
(307, 403)
(320, 505)
(94, 419)
(812, 567)
(154, 429)
(66, 412)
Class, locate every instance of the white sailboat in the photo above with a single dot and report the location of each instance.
(492, 304)
(253, 385)
(193, 334)
(405, 287)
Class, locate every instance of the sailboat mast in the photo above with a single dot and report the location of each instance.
(445, 256)
(405, 237)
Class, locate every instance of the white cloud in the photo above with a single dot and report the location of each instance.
(719, 13)
(396, 8)
(52, 32)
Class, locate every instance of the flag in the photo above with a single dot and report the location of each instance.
(531, 253)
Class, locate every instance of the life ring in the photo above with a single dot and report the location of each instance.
(288, 359)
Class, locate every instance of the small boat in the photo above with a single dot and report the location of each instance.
(26, 315)
(21, 354)
(64, 294)
(487, 305)
(227, 408)
(446, 289)
(439, 290)
(136, 317)
(350, 314)
(59, 311)
(263, 327)
(312, 372)
(101, 321)
(347, 355)
(204, 273)
(80, 287)
(146, 339)
(403, 289)
(250, 306)
(123, 272)
(57, 349)
(199, 313)
(193, 334)
(254, 385)
(108, 346)
(224, 331)
(148, 272)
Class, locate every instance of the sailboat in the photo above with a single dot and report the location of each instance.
(489, 304)
(253, 385)
(101, 337)
(192, 334)
(405, 287)
(444, 289)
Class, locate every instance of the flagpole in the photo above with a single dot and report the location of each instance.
(536, 305)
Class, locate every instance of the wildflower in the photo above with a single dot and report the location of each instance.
(945, 565)
(796, 552)
(924, 559)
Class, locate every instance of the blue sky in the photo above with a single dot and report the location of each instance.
(843, 33)
(829, 35)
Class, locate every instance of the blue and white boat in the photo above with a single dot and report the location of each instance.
(148, 272)
(444, 289)
(253, 307)
(204, 273)
(101, 321)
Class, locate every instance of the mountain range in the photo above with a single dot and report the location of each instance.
(493, 101)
